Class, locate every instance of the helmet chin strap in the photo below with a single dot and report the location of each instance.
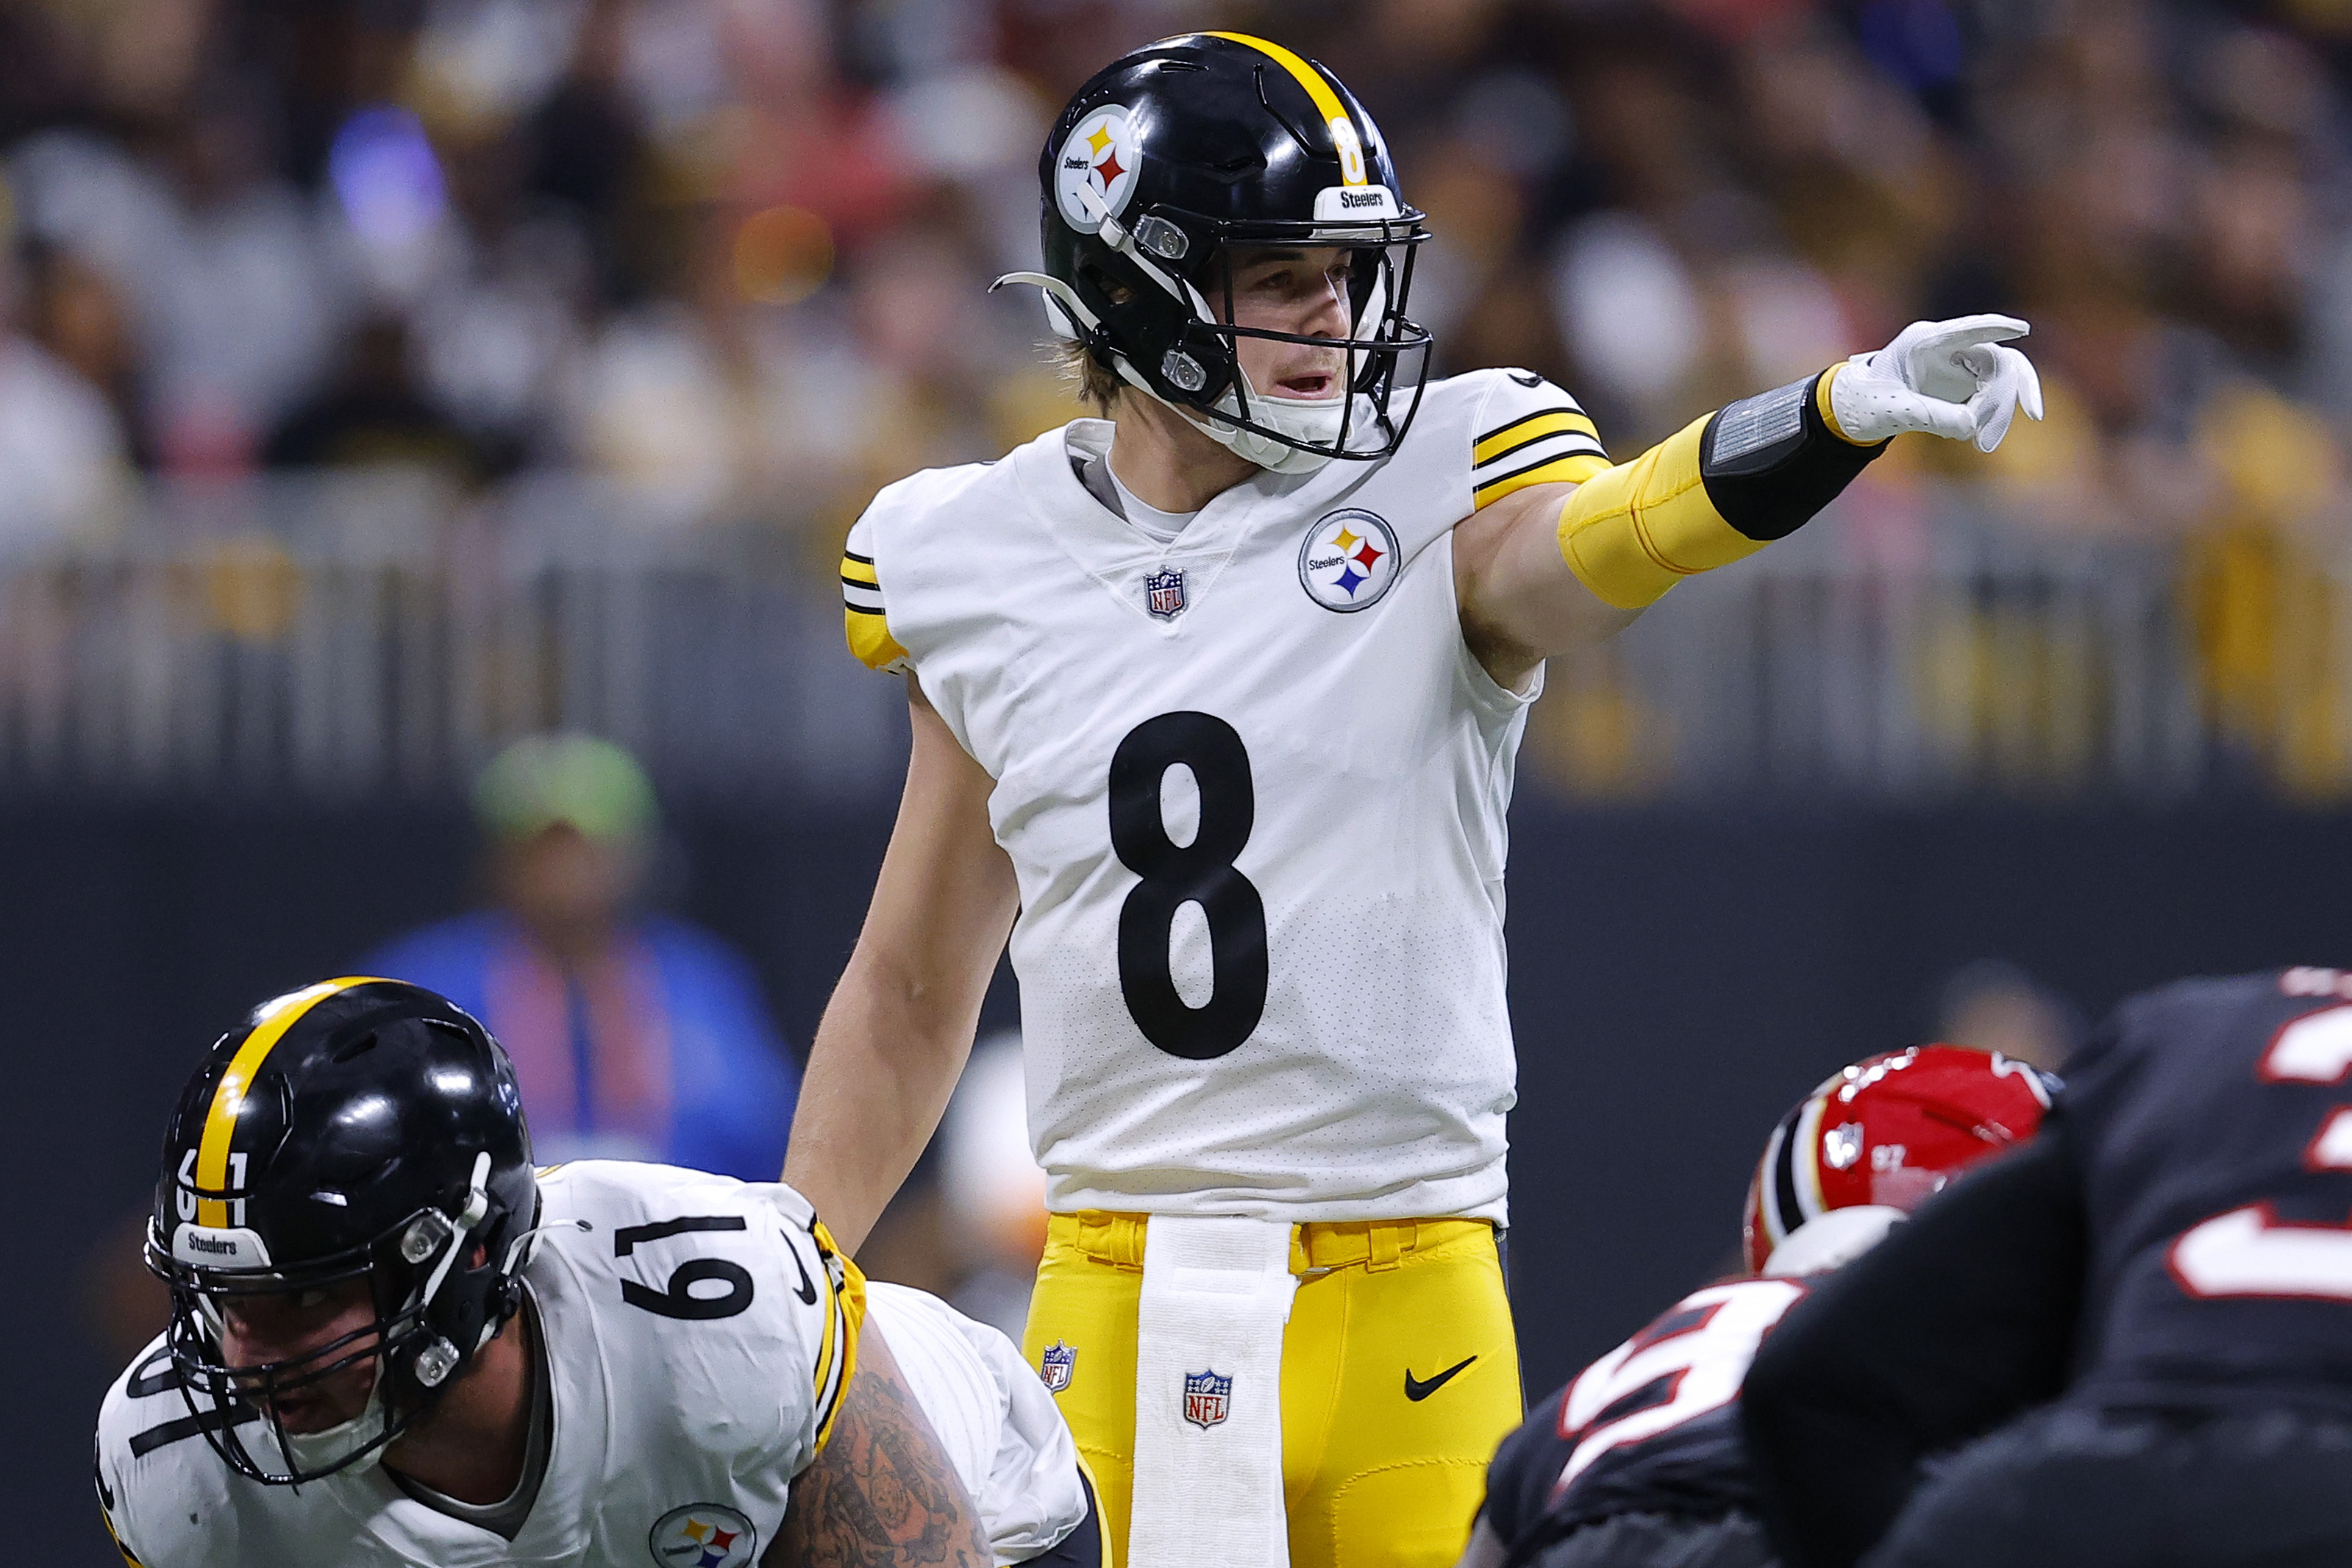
(1317, 421)
(477, 1204)
(1301, 420)
(1298, 418)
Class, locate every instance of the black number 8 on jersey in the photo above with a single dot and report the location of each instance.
(1173, 875)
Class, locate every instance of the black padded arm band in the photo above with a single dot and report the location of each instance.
(1772, 461)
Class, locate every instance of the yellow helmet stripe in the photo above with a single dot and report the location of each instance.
(270, 1023)
(1327, 103)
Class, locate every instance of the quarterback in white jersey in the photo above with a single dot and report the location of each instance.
(657, 1365)
(1220, 696)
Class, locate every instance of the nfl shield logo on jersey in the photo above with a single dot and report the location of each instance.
(1163, 594)
(704, 1535)
(1207, 1396)
(1056, 1365)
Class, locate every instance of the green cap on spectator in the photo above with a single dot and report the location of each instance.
(541, 780)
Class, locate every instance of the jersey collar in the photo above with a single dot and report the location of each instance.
(1114, 553)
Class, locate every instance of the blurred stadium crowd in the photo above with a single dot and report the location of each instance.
(728, 255)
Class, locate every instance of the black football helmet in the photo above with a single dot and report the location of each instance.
(355, 1128)
(1173, 156)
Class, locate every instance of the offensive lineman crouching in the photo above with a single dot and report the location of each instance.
(1639, 1462)
(393, 1342)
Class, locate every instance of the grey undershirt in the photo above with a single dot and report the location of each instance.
(1106, 487)
(505, 1517)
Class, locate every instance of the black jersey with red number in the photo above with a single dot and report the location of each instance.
(1651, 1427)
(2213, 1123)
(2177, 1238)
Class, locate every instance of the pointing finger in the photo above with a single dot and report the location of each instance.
(1963, 331)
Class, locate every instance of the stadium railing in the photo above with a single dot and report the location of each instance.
(340, 637)
(345, 637)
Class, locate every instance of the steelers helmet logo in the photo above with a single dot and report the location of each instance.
(704, 1535)
(1095, 172)
(1347, 560)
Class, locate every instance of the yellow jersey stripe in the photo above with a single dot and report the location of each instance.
(1566, 407)
(838, 1361)
(1326, 102)
(825, 1393)
(228, 1099)
(868, 632)
(856, 569)
(1573, 469)
(1520, 432)
(127, 1555)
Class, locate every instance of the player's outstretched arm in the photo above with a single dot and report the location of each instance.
(883, 1494)
(899, 1026)
(1530, 567)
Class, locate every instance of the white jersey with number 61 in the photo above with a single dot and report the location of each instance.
(698, 1338)
(1253, 783)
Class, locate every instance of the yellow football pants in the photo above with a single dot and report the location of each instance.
(1400, 1375)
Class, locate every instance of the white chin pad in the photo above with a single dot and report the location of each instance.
(1315, 420)
(317, 1451)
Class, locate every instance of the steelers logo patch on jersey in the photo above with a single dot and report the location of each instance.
(704, 1535)
(1347, 560)
(1095, 172)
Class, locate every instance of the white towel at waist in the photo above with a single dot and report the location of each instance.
(1208, 1395)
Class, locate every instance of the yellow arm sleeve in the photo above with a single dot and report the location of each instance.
(1632, 532)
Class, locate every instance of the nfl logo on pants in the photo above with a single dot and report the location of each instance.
(1055, 1366)
(1207, 1396)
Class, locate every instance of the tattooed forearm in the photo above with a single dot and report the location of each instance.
(883, 1493)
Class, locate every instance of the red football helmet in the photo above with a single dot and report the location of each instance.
(1888, 1131)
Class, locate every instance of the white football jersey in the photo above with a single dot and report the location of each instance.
(993, 1417)
(682, 1411)
(1254, 784)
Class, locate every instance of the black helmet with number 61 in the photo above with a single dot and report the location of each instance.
(1171, 158)
(355, 1130)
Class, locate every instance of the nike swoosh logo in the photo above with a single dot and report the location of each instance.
(1417, 1390)
(805, 1289)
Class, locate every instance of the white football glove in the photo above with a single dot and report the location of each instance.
(1952, 378)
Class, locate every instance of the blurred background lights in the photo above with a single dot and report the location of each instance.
(1916, 42)
(956, 124)
(995, 1191)
(782, 255)
(387, 180)
(487, 61)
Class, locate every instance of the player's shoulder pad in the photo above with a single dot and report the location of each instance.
(703, 1280)
(1524, 430)
(2195, 1013)
(162, 1493)
(900, 511)
(2219, 997)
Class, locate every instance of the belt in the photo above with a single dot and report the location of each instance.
(1316, 1247)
